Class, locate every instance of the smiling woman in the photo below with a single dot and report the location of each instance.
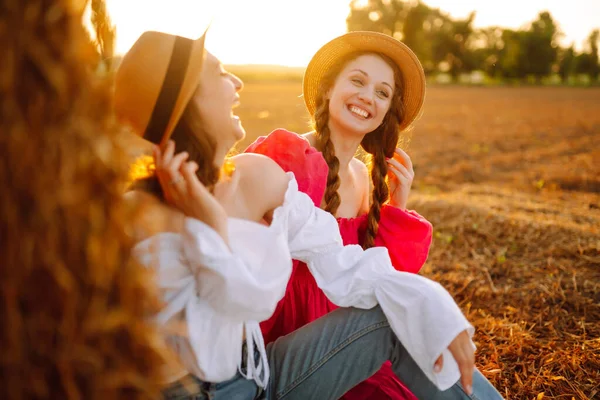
(362, 89)
(224, 260)
(361, 95)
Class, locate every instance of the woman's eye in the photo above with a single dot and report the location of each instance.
(383, 94)
(357, 81)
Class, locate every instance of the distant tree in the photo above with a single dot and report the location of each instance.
(540, 46)
(587, 62)
(452, 45)
(433, 36)
(593, 44)
(398, 18)
(566, 64)
(529, 52)
(417, 30)
(512, 56)
(486, 47)
(583, 64)
(378, 16)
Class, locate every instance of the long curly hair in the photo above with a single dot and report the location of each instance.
(75, 309)
(378, 144)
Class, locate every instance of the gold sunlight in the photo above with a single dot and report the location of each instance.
(172, 226)
(288, 32)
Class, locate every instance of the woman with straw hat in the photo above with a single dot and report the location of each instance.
(225, 260)
(362, 89)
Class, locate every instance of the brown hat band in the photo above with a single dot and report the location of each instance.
(169, 91)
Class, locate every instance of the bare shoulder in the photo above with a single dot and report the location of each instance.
(150, 216)
(262, 181)
(254, 166)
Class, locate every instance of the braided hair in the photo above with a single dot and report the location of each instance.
(378, 144)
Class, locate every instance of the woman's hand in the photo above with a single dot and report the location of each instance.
(183, 190)
(464, 355)
(400, 178)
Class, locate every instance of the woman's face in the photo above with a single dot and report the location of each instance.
(361, 95)
(216, 98)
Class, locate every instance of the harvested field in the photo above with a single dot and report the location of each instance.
(510, 179)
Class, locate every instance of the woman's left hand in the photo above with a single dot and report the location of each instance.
(464, 355)
(400, 178)
(183, 190)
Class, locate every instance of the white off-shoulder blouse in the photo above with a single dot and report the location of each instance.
(222, 292)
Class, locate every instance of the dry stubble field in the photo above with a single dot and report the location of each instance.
(510, 179)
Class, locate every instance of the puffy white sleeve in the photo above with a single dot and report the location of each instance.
(422, 313)
(218, 290)
(245, 282)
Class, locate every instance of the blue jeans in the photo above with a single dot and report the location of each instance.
(328, 357)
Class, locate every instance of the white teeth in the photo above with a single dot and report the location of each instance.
(359, 111)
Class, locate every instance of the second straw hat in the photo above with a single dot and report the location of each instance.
(326, 57)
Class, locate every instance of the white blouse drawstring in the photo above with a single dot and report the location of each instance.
(259, 372)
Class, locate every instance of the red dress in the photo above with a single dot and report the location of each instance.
(405, 234)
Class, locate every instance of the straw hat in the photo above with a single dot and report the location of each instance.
(155, 81)
(364, 41)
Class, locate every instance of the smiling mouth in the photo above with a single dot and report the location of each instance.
(235, 105)
(359, 112)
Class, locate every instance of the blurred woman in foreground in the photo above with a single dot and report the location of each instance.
(75, 311)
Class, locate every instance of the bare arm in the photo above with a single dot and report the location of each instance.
(183, 190)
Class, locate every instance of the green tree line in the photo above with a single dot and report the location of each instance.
(454, 46)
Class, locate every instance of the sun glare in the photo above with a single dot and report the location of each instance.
(241, 31)
(288, 32)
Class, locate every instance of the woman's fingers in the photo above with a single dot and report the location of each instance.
(167, 170)
(399, 169)
(168, 152)
(194, 187)
(404, 158)
(175, 165)
(466, 376)
(464, 355)
(160, 170)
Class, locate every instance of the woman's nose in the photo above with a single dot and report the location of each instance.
(239, 84)
(366, 96)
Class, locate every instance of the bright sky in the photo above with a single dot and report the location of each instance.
(288, 32)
